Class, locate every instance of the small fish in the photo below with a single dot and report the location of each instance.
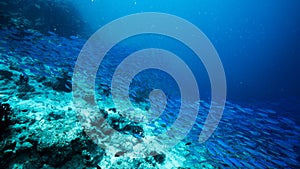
(51, 33)
(247, 165)
(235, 162)
(226, 161)
(278, 162)
(257, 164)
(37, 6)
(211, 151)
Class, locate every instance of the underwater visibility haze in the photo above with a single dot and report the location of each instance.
(149, 84)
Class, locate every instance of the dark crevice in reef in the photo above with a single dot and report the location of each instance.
(122, 124)
(60, 83)
(25, 90)
(156, 159)
(5, 110)
(56, 16)
(4, 74)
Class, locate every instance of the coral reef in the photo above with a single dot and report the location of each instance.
(4, 74)
(44, 131)
(39, 15)
(25, 90)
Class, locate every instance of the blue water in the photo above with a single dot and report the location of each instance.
(264, 35)
(257, 43)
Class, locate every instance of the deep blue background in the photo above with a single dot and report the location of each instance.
(258, 41)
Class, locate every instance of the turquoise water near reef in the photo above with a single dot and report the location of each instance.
(257, 44)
